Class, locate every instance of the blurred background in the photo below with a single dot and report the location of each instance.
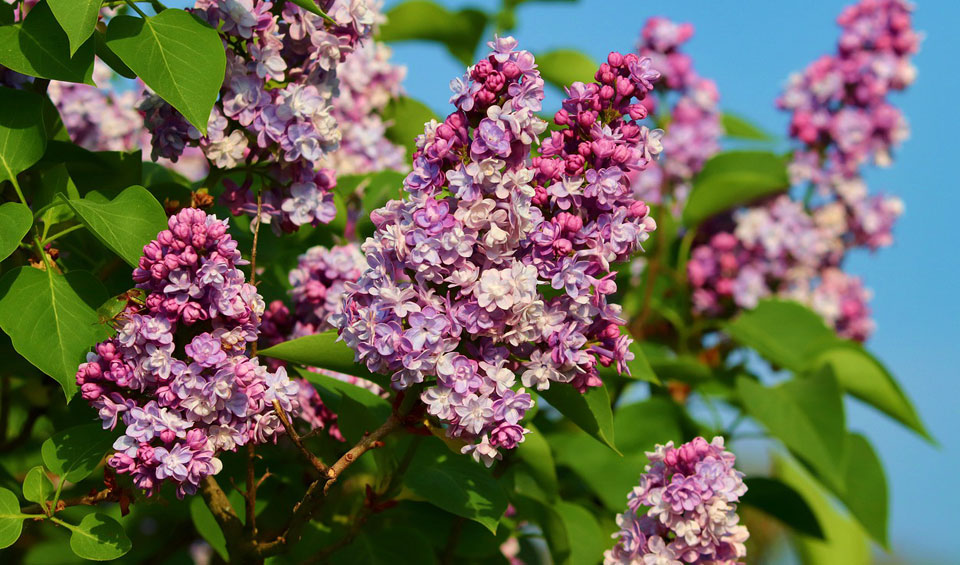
(749, 48)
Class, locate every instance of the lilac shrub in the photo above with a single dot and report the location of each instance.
(177, 377)
(684, 510)
(496, 266)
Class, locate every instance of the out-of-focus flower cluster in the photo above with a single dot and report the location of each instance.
(274, 116)
(495, 268)
(177, 376)
(842, 120)
(690, 496)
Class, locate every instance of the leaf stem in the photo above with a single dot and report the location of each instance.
(136, 8)
(62, 233)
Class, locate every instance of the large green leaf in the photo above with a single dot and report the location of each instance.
(206, 525)
(783, 503)
(846, 543)
(99, 537)
(590, 411)
(124, 224)
(563, 67)
(535, 454)
(587, 540)
(39, 47)
(456, 484)
(741, 128)
(15, 221)
(77, 17)
(406, 117)
(23, 137)
(11, 519)
(177, 55)
(806, 414)
(460, 31)
(109, 57)
(62, 325)
(358, 410)
(733, 178)
(37, 486)
(324, 351)
(784, 332)
(55, 181)
(865, 492)
(75, 452)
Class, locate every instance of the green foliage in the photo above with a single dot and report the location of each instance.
(206, 525)
(37, 486)
(78, 18)
(177, 55)
(62, 325)
(98, 537)
(740, 128)
(591, 410)
(39, 47)
(15, 221)
(310, 6)
(126, 223)
(324, 351)
(23, 137)
(782, 502)
(731, 179)
(460, 32)
(358, 410)
(562, 67)
(75, 453)
(865, 487)
(406, 118)
(11, 519)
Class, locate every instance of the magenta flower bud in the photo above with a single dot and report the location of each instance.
(511, 70)
(608, 286)
(485, 98)
(586, 118)
(562, 247)
(168, 436)
(574, 164)
(561, 118)
(607, 92)
(625, 87)
(637, 111)
(494, 82)
(639, 209)
(90, 391)
(615, 59)
(480, 71)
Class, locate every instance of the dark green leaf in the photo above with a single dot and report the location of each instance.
(784, 332)
(99, 537)
(587, 540)
(15, 221)
(310, 6)
(563, 67)
(535, 454)
(403, 545)
(740, 128)
(177, 55)
(418, 20)
(866, 488)
(7, 15)
(733, 178)
(806, 414)
(55, 181)
(551, 524)
(11, 519)
(37, 486)
(62, 325)
(456, 484)
(590, 411)
(783, 503)
(124, 224)
(324, 351)
(406, 117)
(77, 17)
(109, 57)
(358, 410)
(74, 453)
(39, 48)
(23, 137)
(686, 369)
(206, 525)
(375, 189)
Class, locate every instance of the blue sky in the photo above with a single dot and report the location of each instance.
(749, 47)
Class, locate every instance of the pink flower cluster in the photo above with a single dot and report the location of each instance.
(690, 496)
(274, 115)
(496, 266)
(177, 375)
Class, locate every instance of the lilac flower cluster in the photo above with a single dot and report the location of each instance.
(274, 112)
(690, 494)
(177, 375)
(496, 266)
(319, 282)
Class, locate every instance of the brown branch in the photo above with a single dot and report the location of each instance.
(368, 442)
(222, 510)
(298, 441)
(105, 495)
(250, 494)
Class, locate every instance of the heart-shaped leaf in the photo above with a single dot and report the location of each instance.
(124, 224)
(62, 325)
(77, 17)
(11, 519)
(177, 55)
(74, 453)
(99, 537)
(15, 222)
(39, 47)
(37, 486)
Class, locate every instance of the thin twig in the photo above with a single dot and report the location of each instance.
(105, 495)
(297, 440)
(368, 442)
(251, 491)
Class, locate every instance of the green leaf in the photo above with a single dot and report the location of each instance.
(77, 17)
(406, 117)
(806, 414)
(863, 376)
(39, 47)
(15, 221)
(11, 519)
(62, 325)
(685, 368)
(846, 543)
(563, 67)
(99, 537)
(783, 503)
(358, 410)
(74, 453)
(587, 540)
(455, 483)
(37, 486)
(311, 6)
(639, 367)
(784, 332)
(109, 57)
(590, 411)
(535, 454)
(206, 525)
(23, 137)
(865, 494)
(551, 524)
(324, 351)
(7, 15)
(382, 547)
(741, 128)
(177, 55)
(55, 181)
(733, 178)
(418, 20)
(375, 190)
(124, 224)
